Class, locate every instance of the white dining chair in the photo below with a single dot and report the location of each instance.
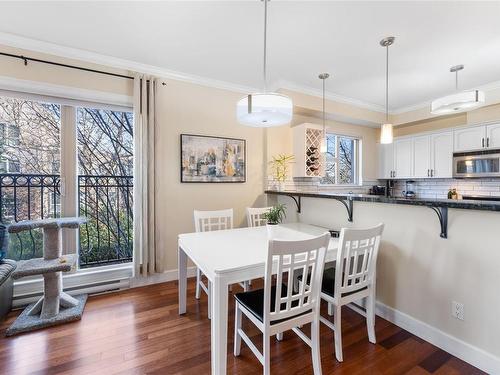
(255, 216)
(356, 270)
(278, 308)
(207, 221)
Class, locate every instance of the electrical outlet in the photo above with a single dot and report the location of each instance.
(457, 310)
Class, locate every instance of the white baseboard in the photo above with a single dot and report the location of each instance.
(475, 356)
(157, 278)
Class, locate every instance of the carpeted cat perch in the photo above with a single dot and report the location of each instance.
(55, 307)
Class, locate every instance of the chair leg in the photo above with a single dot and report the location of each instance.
(338, 333)
(330, 309)
(198, 280)
(266, 350)
(237, 325)
(246, 285)
(250, 282)
(209, 300)
(279, 336)
(370, 318)
(315, 347)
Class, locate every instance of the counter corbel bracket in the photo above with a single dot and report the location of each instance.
(442, 213)
(348, 206)
(298, 202)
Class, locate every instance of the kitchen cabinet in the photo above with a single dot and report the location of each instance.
(403, 158)
(493, 136)
(441, 155)
(422, 156)
(468, 139)
(386, 161)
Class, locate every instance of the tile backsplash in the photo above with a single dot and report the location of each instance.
(438, 188)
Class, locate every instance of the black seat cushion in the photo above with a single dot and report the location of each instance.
(328, 283)
(254, 302)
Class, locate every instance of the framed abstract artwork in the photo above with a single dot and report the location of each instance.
(212, 159)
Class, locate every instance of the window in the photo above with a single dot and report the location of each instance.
(341, 164)
(34, 180)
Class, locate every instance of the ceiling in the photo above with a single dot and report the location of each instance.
(223, 41)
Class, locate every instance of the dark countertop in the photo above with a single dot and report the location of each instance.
(429, 202)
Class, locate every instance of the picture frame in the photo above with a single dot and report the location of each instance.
(212, 159)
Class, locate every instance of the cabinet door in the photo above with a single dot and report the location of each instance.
(470, 138)
(403, 158)
(421, 156)
(442, 155)
(493, 136)
(386, 160)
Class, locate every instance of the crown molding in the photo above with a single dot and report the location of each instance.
(287, 85)
(17, 41)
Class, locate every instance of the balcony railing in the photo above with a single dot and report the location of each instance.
(105, 200)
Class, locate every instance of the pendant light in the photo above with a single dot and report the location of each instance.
(459, 101)
(386, 133)
(264, 109)
(323, 147)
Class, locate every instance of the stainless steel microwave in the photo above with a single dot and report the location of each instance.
(476, 164)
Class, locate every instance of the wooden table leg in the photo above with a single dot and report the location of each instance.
(182, 267)
(219, 326)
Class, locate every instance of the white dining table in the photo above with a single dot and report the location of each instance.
(228, 257)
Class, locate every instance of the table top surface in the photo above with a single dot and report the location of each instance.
(237, 249)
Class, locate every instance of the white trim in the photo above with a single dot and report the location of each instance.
(64, 95)
(118, 63)
(157, 278)
(17, 41)
(475, 356)
(93, 280)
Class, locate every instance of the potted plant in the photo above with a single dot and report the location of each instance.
(274, 216)
(279, 166)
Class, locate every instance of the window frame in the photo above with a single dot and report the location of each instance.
(356, 160)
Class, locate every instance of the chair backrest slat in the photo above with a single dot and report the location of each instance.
(207, 221)
(356, 259)
(290, 257)
(254, 216)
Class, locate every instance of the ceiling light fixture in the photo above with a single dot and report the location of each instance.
(458, 102)
(386, 131)
(323, 147)
(266, 109)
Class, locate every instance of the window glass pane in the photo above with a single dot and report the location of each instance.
(105, 183)
(346, 161)
(330, 160)
(29, 168)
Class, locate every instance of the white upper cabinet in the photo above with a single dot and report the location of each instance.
(422, 156)
(403, 158)
(493, 136)
(386, 161)
(468, 139)
(442, 155)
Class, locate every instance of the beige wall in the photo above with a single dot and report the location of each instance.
(38, 72)
(182, 108)
(483, 114)
(419, 273)
(280, 140)
(188, 108)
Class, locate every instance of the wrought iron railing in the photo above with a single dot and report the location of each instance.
(105, 200)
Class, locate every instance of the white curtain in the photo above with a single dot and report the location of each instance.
(146, 258)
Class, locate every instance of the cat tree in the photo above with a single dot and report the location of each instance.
(55, 306)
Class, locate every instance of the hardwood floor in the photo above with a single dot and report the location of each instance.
(139, 331)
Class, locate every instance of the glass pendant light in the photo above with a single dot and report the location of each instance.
(460, 101)
(264, 109)
(323, 147)
(386, 131)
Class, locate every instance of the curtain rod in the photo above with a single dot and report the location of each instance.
(26, 59)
